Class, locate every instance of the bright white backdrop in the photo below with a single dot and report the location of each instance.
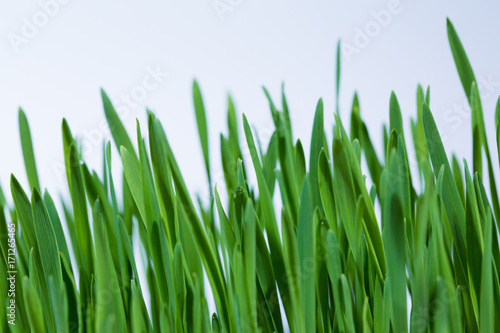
(56, 54)
(53, 66)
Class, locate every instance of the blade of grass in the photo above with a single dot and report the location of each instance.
(201, 121)
(451, 197)
(28, 154)
(306, 247)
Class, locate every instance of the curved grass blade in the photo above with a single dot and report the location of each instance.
(270, 220)
(461, 61)
(78, 198)
(27, 148)
(46, 240)
(286, 112)
(486, 315)
(474, 237)
(56, 224)
(326, 190)
(73, 298)
(396, 120)
(210, 260)
(334, 267)
(300, 163)
(135, 183)
(317, 143)
(306, 247)
(394, 241)
(469, 84)
(449, 192)
(118, 131)
(201, 121)
(32, 300)
(343, 183)
(370, 225)
(109, 302)
(24, 212)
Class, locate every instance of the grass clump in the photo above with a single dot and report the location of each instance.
(327, 262)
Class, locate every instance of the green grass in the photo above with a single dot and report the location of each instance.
(327, 262)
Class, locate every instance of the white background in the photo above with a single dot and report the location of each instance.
(87, 45)
(57, 71)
